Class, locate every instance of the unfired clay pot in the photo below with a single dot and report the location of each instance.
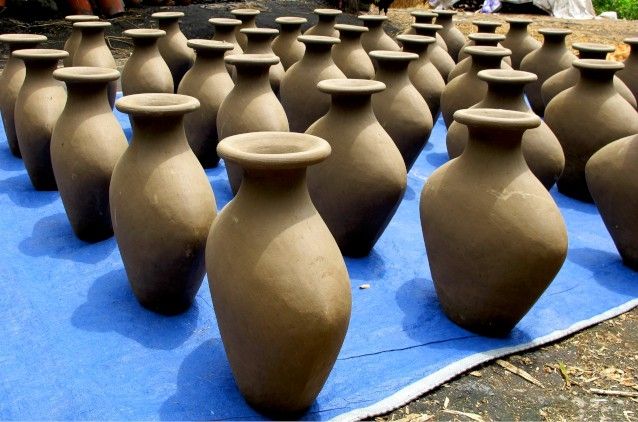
(466, 90)
(251, 106)
(471, 207)
(326, 24)
(480, 39)
(349, 54)
(439, 57)
(423, 16)
(259, 40)
(86, 143)
(226, 30)
(209, 82)
(172, 47)
(11, 81)
(541, 149)
(519, 41)
(286, 46)
(94, 52)
(400, 109)
(450, 33)
(358, 189)
(303, 102)
(162, 204)
(146, 71)
(482, 27)
(248, 18)
(629, 75)
(613, 182)
(298, 319)
(376, 38)
(74, 39)
(587, 117)
(568, 77)
(38, 106)
(551, 58)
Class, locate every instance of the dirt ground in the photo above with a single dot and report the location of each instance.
(592, 375)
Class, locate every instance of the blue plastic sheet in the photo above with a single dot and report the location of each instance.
(75, 344)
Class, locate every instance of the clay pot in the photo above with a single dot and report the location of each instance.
(209, 82)
(629, 75)
(248, 18)
(467, 89)
(259, 40)
(251, 106)
(400, 109)
(162, 204)
(472, 206)
(226, 30)
(358, 189)
(376, 38)
(146, 71)
(480, 39)
(86, 143)
(519, 40)
(326, 24)
(11, 81)
(303, 102)
(422, 16)
(38, 106)
(172, 47)
(551, 58)
(613, 184)
(541, 149)
(286, 46)
(568, 77)
(450, 33)
(482, 27)
(587, 117)
(74, 39)
(439, 57)
(94, 52)
(349, 54)
(300, 316)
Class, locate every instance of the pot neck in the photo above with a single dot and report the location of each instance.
(210, 60)
(374, 26)
(482, 62)
(633, 54)
(554, 42)
(597, 78)
(158, 132)
(416, 48)
(259, 44)
(225, 33)
(253, 77)
(87, 96)
(598, 55)
(145, 45)
(278, 192)
(490, 144)
(351, 106)
(171, 26)
(508, 96)
(445, 21)
(393, 73)
(317, 54)
(290, 30)
(38, 69)
(93, 37)
(248, 21)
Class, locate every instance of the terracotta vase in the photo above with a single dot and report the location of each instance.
(400, 109)
(259, 41)
(480, 39)
(209, 82)
(568, 77)
(613, 184)
(248, 18)
(450, 33)
(541, 149)
(94, 52)
(74, 39)
(162, 204)
(300, 316)
(286, 46)
(11, 81)
(358, 189)
(423, 75)
(38, 106)
(519, 40)
(325, 24)
(226, 30)
(376, 38)
(349, 54)
(86, 143)
(172, 47)
(551, 58)
(146, 71)
(472, 206)
(303, 102)
(423, 16)
(587, 117)
(439, 57)
(467, 89)
(629, 75)
(251, 106)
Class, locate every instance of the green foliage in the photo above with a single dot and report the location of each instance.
(626, 9)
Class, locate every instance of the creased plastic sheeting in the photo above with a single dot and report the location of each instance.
(75, 344)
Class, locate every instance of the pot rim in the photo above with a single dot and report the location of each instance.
(351, 86)
(597, 64)
(393, 56)
(519, 21)
(486, 23)
(224, 22)
(252, 59)
(351, 28)
(259, 31)
(487, 50)
(157, 104)
(593, 47)
(199, 44)
(630, 40)
(555, 31)
(496, 118)
(507, 76)
(434, 26)
(92, 24)
(144, 33)
(40, 54)
(327, 12)
(445, 12)
(167, 15)
(22, 38)
(486, 36)
(291, 20)
(244, 12)
(423, 13)
(81, 18)
(372, 18)
(415, 39)
(318, 39)
(86, 74)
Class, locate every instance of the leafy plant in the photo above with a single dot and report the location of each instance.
(626, 9)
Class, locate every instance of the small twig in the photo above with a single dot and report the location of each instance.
(513, 369)
(613, 392)
(473, 416)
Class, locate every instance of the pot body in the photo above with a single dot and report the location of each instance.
(453, 38)
(287, 48)
(464, 66)
(146, 71)
(428, 82)
(352, 59)
(173, 49)
(93, 52)
(520, 42)
(629, 75)
(377, 39)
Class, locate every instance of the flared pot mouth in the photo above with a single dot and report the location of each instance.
(423, 14)
(291, 20)
(167, 15)
(493, 118)
(209, 45)
(487, 51)
(488, 25)
(245, 12)
(260, 31)
(85, 74)
(392, 56)
(318, 40)
(144, 33)
(597, 64)
(519, 21)
(274, 150)
(224, 22)
(559, 32)
(327, 12)
(37, 54)
(355, 29)
(28, 39)
(252, 59)
(92, 25)
(507, 76)
(631, 41)
(157, 104)
(590, 47)
(81, 18)
(372, 18)
(415, 39)
(486, 37)
(431, 27)
(351, 86)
